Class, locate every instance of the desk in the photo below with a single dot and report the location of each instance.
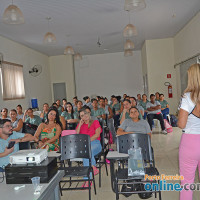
(49, 191)
(114, 156)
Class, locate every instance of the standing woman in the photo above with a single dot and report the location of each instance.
(189, 121)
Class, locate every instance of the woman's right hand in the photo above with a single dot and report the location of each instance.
(81, 122)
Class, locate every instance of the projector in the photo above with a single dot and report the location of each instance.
(35, 156)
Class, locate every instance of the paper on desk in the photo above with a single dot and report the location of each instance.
(116, 154)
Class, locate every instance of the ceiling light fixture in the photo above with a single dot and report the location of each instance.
(13, 15)
(49, 37)
(129, 45)
(134, 5)
(69, 49)
(130, 30)
(128, 53)
(78, 57)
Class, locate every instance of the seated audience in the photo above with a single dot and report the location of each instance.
(43, 114)
(109, 117)
(74, 104)
(93, 129)
(138, 98)
(134, 124)
(4, 114)
(64, 101)
(20, 114)
(59, 107)
(62, 119)
(49, 131)
(97, 112)
(143, 103)
(6, 135)
(157, 96)
(134, 104)
(17, 124)
(87, 101)
(115, 106)
(164, 106)
(154, 112)
(78, 106)
(70, 117)
(32, 119)
(125, 113)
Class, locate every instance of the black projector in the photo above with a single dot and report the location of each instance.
(22, 173)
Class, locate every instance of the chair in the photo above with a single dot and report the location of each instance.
(124, 143)
(76, 146)
(103, 153)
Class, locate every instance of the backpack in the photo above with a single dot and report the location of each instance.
(173, 120)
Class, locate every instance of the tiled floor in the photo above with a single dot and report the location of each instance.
(166, 159)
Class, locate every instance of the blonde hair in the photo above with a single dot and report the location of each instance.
(194, 83)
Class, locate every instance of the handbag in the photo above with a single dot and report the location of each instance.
(29, 128)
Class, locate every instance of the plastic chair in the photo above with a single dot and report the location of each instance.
(124, 143)
(76, 146)
(103, 153)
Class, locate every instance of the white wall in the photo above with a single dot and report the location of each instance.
(35, 87)
(62, 71)
(160, 62)
(107, 74)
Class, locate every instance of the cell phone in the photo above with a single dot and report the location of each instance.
(11, 144)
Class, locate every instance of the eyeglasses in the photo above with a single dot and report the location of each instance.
(86, 113)
(7, 126)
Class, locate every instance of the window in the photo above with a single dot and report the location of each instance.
(12, 81)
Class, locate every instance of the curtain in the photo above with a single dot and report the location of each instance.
(12, 81)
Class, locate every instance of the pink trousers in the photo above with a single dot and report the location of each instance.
(189, 159)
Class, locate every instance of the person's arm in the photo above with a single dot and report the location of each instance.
(42, 115)
(110, 113)
(79, 126)
(182, 118)
(26, 138)
(123, 116)
(96, 135)
(149, 134)
(72, 121)
(19, 126)
(142, 112)
(38, 132)
(120, 131)
(24, 117)
(6, 152)
(122, 108)
(154, 108)
(53, 139)
(167, 106)
(63, 122)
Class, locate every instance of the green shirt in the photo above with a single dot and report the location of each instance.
(60, 110)
(163, 103)
(36, 120)
(143, 104)
(116, 107)
(67, 115)
(99, 111)
(126, 115)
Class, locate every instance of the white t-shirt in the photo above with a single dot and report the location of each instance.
(193, 122)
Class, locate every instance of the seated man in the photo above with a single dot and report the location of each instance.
(97, 112)
(20, 114)
(6, 135)
(154, 112)
(164, 106)
(4, 114)
(87, 102)
(32, 119)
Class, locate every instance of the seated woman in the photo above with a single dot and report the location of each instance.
(17, 124)
(43, 114)
(78, 106)
(93, 129)
(70, 117)
(125, 113)
(134, 124)
(20, 114)
(135, 104)
(32, 119)
(49, 131)
(164, 106)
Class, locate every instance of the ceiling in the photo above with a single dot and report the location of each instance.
(79, 23)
